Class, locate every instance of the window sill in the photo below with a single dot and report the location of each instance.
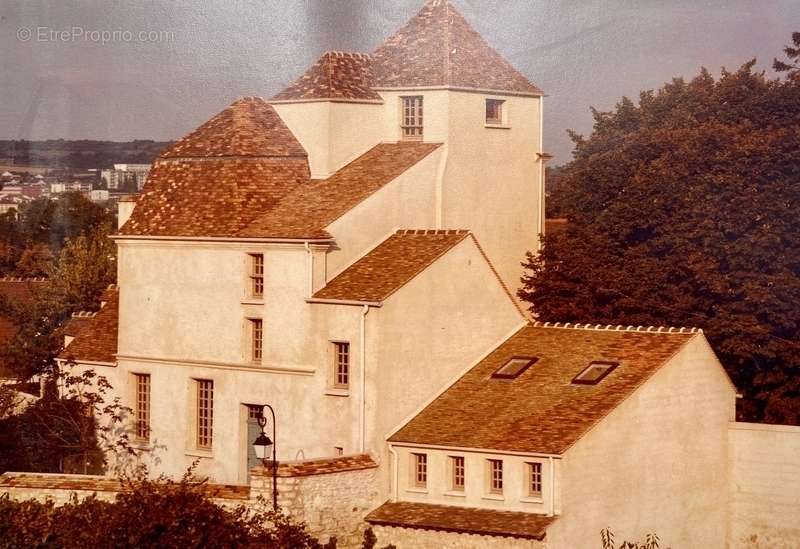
(455, 494)
(253, 301)
(335, 392)
(141, 444)
(532, 499)
(417, 490)
(199, 452)
(494, 497)
(497, 126)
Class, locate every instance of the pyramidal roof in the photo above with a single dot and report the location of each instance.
(336, 75)
(249, 127)
(438, 47)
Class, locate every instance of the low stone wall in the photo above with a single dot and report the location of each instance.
(414, 538)
(765, 486)
(331, 496)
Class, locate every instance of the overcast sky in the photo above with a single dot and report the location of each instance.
(581, 52)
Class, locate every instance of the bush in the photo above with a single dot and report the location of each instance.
(159, 513)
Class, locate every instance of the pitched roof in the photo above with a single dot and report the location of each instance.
(97, 339)
(249, 127)
(310, 208)
(467, 520)
(391, 265)
(438, 47)
(541, 410)
(336, 75)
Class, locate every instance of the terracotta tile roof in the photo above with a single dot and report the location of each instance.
(307, 211)
(323, 466)
(215, 181)
(77, 322)
(97, 340)
(391, 264)
(438, 47)
(16, 291)
(95, 483)
(249, 127)
(336, 75)
(541, 411)
(466, 520)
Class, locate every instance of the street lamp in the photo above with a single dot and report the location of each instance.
(262, 445)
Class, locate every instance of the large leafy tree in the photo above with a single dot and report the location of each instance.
(684, 210)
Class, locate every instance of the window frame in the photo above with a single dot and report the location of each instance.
(419, 470)
(204, 436)
(534, 477)
(256, 275)
(142, 400)
(501, 111)
(458, 471)
(610, 367)
(337, 374)
(256, 337)
(529, 361)
(494, 469)
(412, 117)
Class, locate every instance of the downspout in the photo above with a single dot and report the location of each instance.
(542, 172)
(552, 497)
(310, 270)
(362, 380)
(395, 472)
(441, 168)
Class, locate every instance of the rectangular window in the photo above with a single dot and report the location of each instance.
(594, 373)
(535, 480)
(257, 275)
(142, 412)
(495, 476)
(341, 364)
(412, 117)
(494, 111)
(420, 472)
(457, 470)
(205, 412)
(256, 339)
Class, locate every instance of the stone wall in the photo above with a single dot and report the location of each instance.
(765, 486)
(331, 496)
(412, 538)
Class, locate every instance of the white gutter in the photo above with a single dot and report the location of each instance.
(223, 239)
(310, 270)
(469, 450)
(439, 192)
(362, 392)
(345, 302)
(552, 497)
(395, 472)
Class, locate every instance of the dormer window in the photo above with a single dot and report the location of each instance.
(412, 118)
(594, 373)
(494, 111)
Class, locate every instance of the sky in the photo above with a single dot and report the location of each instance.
(120, 70)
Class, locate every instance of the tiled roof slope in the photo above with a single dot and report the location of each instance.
(97, 339)
(249, 127)
(438, 47)
(541, 410)
(310, 208)
(336, 75)
(466, 520)
(390, 265)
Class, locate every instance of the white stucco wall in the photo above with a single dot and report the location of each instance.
(515, 496)
(765, 486)
(656, 464)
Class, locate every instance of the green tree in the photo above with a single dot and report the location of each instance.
(683, 211)
(792, 65)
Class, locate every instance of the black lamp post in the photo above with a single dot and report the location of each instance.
(262, 445)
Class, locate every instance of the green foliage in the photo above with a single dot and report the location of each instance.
(149, 514)
(683, 211)
(651, 541)
(370, 540)
(792, 65)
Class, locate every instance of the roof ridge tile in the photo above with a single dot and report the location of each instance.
(618, 328)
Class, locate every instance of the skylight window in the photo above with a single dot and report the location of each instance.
(594, 373)
(514, 367)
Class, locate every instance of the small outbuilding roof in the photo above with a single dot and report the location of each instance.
(96, 337)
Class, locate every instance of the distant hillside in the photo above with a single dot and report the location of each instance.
(83, 154)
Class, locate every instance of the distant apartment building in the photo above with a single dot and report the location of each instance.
(125, 174)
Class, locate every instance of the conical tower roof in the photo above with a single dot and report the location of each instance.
(438, 47)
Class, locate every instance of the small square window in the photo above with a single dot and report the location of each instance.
(494, 111)
(457, 473)
(420, 471)
(514, 367)
(594, 373)
(535, 480)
